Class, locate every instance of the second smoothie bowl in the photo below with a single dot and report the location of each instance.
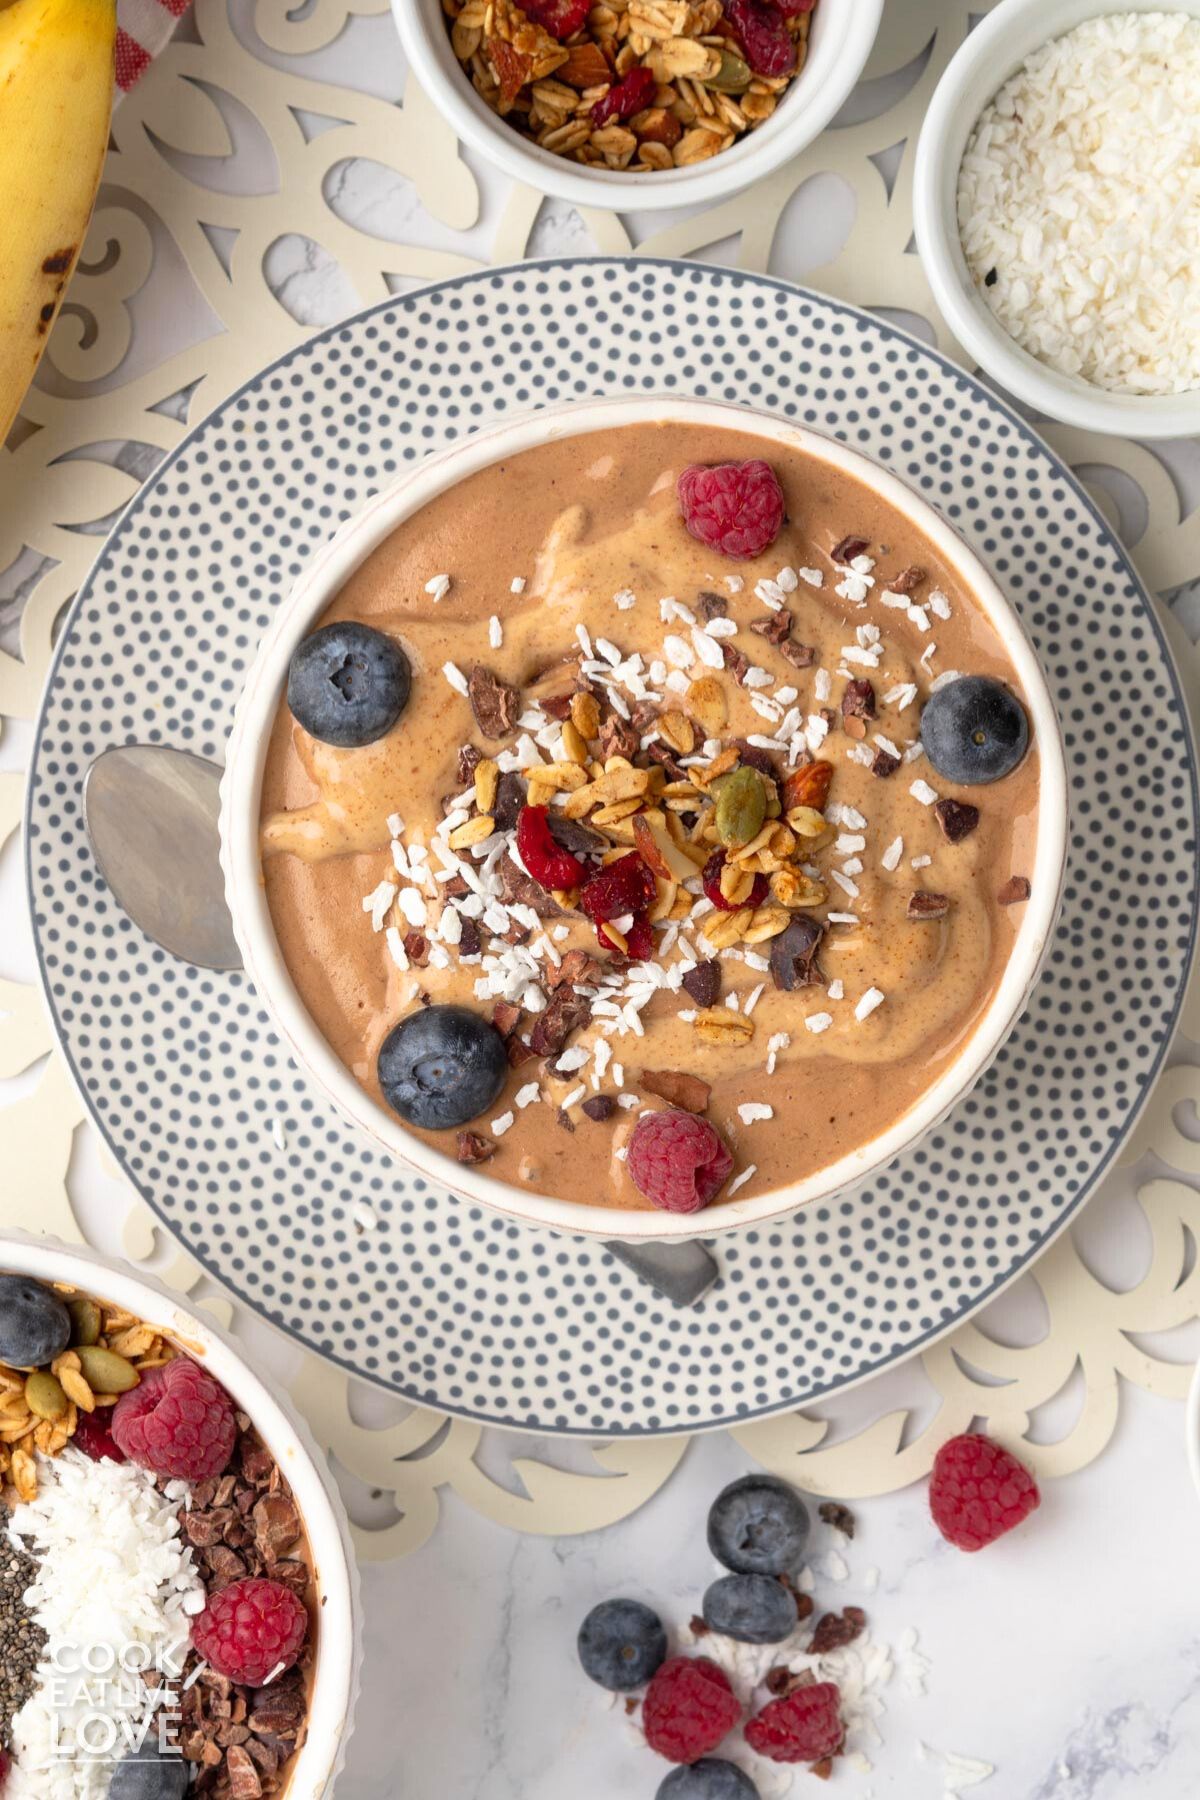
(645, 818)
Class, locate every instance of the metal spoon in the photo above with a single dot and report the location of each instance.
(151, 814)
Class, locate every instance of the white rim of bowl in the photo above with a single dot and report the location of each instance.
(287, 1436)
(241, 790)
(991, 53)
(757, 155)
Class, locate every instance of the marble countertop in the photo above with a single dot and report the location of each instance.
(1064, 1660)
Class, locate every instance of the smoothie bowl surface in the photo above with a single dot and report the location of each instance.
(580, 834)
(176, 1614)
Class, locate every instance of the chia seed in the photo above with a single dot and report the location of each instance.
(21, 1638)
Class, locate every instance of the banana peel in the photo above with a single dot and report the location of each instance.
(56, 92)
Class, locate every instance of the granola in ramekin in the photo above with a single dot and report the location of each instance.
(638, 85)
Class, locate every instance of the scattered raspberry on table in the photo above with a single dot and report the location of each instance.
(978, 1491)
(689, 1707)
(803, 1726)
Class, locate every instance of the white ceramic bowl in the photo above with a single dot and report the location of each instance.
(242, 788)
(336, 1676)
(992, 52)
(1192, 1427)
(843, 32)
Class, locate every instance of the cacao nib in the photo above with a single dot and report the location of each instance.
(506, 1017)
(577, 969)
(858, 701)
(618, 737)
(703, 982)
(556, 706)
(518, 1052)
(775, 627)
(907, 581)
(885, 763)
(835, 1630)
(643, 714)
(520, 889)
(469, 759)
(416, 948)
(847, 548)
(794, 953)
(599, 1107)
(566, 1012)
(677, 1088)
(928, 906)
(755, 757)
(469, 941)
(662, 753)
(496, 705)
(956, 818)
(1015, 889)
(735, 662)
(711, 606)
(832, 1512)
(510, 798)
(575, 836)
(562, 1117)
(473, 1147)
(801, 656)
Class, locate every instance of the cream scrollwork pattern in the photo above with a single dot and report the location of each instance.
(237, 143)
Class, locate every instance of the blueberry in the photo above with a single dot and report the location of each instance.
(974, 730)
(758, 1526)
(755, 1609)
(442, 1066)
(708, 1779)
(348, 684)
(146, 1774)
(35, 1326)
(621, 1644)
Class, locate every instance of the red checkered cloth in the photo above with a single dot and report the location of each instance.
(143, 29)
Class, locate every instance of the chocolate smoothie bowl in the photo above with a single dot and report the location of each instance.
(646, 818)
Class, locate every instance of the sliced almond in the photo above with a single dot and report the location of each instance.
(473, 832)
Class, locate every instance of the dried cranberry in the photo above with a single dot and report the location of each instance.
(561, 18)
(545, 860)
(625, 886)
(712, 886)
(764, 35)
(639, 940)
(628, 97)
(93, 1437)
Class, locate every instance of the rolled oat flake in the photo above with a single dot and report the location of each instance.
(21, 1637)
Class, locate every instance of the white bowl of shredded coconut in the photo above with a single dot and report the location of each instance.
(1057, 209)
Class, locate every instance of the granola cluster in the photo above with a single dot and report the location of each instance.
(39, 1409)
(643, 85)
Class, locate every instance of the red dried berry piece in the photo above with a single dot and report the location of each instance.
(93, 1435)
(802, 1727)
(545, 859)
(711, 882)
(792, 9)
(677, 1160)
(688, 1709)
(178, 1421)
(735, 508)
(251, 1629)
(625, 886)
(765, 37)
(561, 18)
(627, 97)
(639, 939)
(978, 1491)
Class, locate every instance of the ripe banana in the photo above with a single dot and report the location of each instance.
(56, 86)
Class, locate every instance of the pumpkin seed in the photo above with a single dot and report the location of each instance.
(741, 807)
(45, 1396)
(106, 1372)
(85, 1321)
(732, 77)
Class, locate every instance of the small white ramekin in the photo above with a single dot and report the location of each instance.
(336, 1674)
(246, 757)
(994, 51)
(840, 41)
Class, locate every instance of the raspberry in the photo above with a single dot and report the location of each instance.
(561, 18)
(736, 508)
(802, 1727)
(546, 860)
(93, 1435)
(626, 98)
(251, 1628)
(689, 1707)
(978, 1491)
(178, 1421)
(764, 34)
(677, 1160)
(711, 880)
(625, 886)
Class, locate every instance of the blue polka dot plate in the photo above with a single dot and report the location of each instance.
(302, 1215)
